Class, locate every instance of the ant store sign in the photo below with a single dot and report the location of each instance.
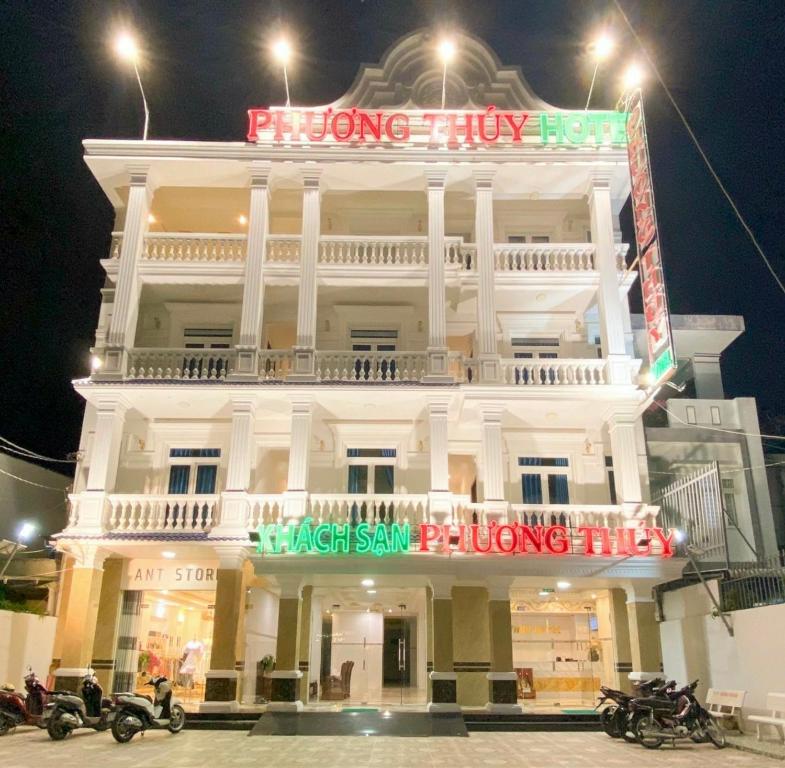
(158, 574)
(490, 127)
(493, 539)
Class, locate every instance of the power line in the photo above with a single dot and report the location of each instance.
(695, 141)
(30, 482)
(717, 429)
(22, 451)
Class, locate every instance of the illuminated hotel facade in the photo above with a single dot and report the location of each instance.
(367, 425)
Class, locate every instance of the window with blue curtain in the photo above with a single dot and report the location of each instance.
(179, 474)
(206, 475)
(358, 478)
(558, 489)
(532, 489)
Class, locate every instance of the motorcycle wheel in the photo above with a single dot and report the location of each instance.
(177, 719)
(642, 723)
(121, 730)
(5, 725)
(715, 733)
(56, 729)
(609, 722)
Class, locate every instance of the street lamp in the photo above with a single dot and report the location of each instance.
(446, 54)
(633, 77)
(600, 49)
(26, 531)
(282, 51)
(128, 51)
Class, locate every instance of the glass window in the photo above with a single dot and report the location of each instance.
(179, 476)
(194, 453)
(532, 489)
(206, 475)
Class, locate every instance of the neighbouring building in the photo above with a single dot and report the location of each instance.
(368, 422)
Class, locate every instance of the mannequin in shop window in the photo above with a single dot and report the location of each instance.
(192, 654)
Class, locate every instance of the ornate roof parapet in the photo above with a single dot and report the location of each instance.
(409, 76)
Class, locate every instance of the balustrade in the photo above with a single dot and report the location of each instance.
(371, 366)
(170, 513)
(354, 508)
(554, 372)
(181, 364)
(275, 364)
(265, 509)
(367, 251)
(283, 249)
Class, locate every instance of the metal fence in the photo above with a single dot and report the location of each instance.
(754, 585)
(693, 505)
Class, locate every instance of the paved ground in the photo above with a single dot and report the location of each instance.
(28, 748)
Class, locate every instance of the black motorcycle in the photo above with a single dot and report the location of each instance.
(66, 711)
(673, 716)
(615, 718)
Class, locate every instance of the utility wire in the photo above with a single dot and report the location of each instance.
(717, 429)
(695, 141)
(30, 482)
(31, 454)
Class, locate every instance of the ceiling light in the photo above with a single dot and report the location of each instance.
(168, 554)
(543, 593)
(371, 591)
(151, 218)
(563, 584)
(367, 582)
(593, 595)
(95, 362)
(243, 219)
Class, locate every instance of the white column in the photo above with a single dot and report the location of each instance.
(492, 457)
(439, 498)
(490, 367)
(306, 300)
(233, 519)
(609, 300)
(437, 310)
(299, 458)
(253, 288)
(626, 472)
(104, 458)
(125, 310)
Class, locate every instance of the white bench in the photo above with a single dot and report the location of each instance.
(725, 704)
(776, 703)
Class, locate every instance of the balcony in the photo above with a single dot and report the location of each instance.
(336, 251)
(188, 515)
(349, 367)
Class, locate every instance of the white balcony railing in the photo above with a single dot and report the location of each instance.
(371, 366)
(553, 372)
(179, 247)
(369, 508)
(265, 509)
(173, 512)
(543, 257)
(181, 364)
(283, 249)
(369, 251)
(275, 364)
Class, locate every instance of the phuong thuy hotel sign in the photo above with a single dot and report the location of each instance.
(494, 539)
(464, 128)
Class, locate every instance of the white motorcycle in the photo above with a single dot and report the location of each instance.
(135, 713)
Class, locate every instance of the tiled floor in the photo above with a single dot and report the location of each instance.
(223, 749)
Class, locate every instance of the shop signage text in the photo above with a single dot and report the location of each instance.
(662, 359)
(453, 129)
(157, 574)
(495, 539)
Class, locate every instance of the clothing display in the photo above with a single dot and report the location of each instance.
(192, 656)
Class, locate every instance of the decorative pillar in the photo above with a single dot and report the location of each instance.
(471, 644)
(305, 643)
(437, 308)
(304, 350)
(126, 297)
(233, 520)
(105, 642)
(502, 679)
(492, 448)
(442, 677)
(624, 451)
(80, 615)
(104, 457)
(286, 693)
(609, 300)
(221, 688)
(490, 363)
(253, 287)
(296, 496)
(644, 632)
(439, 497)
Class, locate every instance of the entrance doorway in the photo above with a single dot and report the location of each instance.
(364, 647)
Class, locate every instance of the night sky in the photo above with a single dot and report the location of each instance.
(206, 64)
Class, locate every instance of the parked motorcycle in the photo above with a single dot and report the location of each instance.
(615, 717)
(16, 709)
(135, 713)
(66, 711)
(678, 715)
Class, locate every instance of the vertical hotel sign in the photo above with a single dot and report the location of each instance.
(659, 338)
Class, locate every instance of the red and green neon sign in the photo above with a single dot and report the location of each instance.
(495, 539)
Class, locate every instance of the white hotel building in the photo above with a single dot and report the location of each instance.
(399, 330)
